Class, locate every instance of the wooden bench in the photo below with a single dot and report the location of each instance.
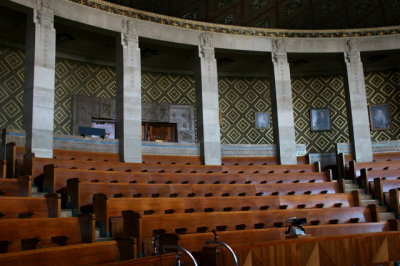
(195, 242)
(382, 187)
(343, 161)
(14, 159)
(85, 155)
(30, 207)
(108, 210)
(78, 254)
(56, 178)
(170, 159)
(366, 179)
(293, 168)
(250, 160)
(350, 249)
(21, 186)
(34, 166)
(355, 167)
(80, 194)
(394, 201)
(386, 156)
(142, 227)
(32, 233)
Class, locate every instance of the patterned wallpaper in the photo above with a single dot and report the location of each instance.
(11, 87)
(239, 99)
(320, 92)
(383, 87)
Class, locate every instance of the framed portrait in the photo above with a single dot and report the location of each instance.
(262, 120)
(379, 116)
(320, 119)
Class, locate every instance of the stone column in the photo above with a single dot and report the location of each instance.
(281, 91)
(39, 80)
(357, 104)
(129, 95)
(208, 104)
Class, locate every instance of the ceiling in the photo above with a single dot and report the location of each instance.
(285, 14)
(84, 43)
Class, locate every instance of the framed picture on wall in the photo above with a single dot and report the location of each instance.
(379, 116)
(320, 119)
(262, 120)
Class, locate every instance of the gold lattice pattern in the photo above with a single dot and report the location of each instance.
(320, 92)
(383, 87)
(11, 87)
(168, 88)
(239, 100)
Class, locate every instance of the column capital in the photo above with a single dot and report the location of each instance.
(352, 53)
(278, 51)
(129, 33)
(206, 48)
(43, 14)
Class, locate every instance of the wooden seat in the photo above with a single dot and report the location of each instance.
(382, 187)
(195, 242)
(108, 208)
(30, 207)
(355, 167)
(22, 186)
(394, 202)
(250, 160)
(366, 179)
(296, 168)
(34, 166)
(81, 193)
(143, 227)
(23, 234)
(78, 254)
(55, 178)
(170, 159)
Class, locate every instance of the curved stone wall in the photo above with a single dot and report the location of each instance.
(108, 16)
(133, 24)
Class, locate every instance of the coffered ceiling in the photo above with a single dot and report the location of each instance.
(286, 14)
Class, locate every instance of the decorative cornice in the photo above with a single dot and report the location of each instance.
(220, 28)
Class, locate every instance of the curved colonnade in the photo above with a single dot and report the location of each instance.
(130, 24)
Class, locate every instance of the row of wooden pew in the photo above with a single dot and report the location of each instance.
(137, 202)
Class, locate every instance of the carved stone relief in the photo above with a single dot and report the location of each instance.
(149, 112)
(183, 116)
(85, 108)
(107, 108)
(163, 110)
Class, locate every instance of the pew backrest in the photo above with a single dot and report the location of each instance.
(382, 187)
(355, 167)
(80, 194)
(142, 227)
(106, 208)
(21, 186)
(30, 207)
(45, 232)
(366, 179)
(56, 178)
